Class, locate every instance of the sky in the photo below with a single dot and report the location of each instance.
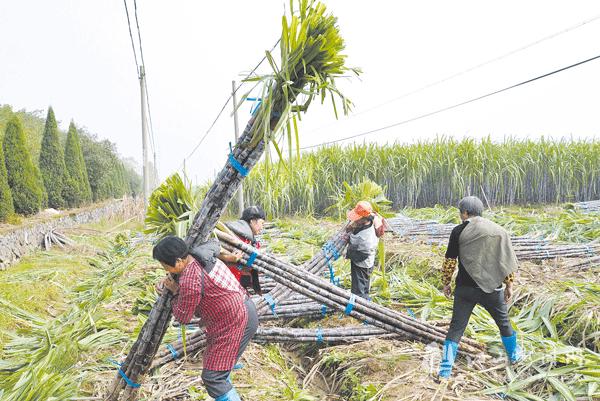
(77, 56)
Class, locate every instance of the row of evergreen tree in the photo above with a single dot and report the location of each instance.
(61, 178)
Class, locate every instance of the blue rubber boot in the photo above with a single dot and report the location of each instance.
(448, 357)
(231, 395)
(513, 350)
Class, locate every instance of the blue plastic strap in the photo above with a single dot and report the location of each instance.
(319, 335)
(323, 310)
(173, 351)
(330, 251)
(236, 164)
(331, 272)
(350, 305)
(123, 375)
(411, 313)
(271, 302)
(251, 259)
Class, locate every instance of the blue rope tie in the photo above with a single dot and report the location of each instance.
(236, 164)
(173, 351)
(350, 305)
(319, 335)
(330, 251)
(331, 272)
(129, 382)
(271, 302)
(323, 310)
(411, 313)
(251, 259)
(257, 102)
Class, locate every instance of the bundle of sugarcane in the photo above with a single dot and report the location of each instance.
(526, 247)
(332, 296)
(311, 59)
(588, 207)
(56, 238)
(330, 251)
(554, 251)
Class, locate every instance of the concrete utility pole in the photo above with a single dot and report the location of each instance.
(240, 191)
(145, 169)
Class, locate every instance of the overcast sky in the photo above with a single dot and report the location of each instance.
(77, 57)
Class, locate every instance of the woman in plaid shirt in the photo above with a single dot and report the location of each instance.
(207, 289)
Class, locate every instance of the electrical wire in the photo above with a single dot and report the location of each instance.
(455, 105)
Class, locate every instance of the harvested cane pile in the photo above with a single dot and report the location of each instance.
(588, 207)
(526, 248)
(53, 237)
(326, 293)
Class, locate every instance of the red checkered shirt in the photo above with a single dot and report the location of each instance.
(218, 299)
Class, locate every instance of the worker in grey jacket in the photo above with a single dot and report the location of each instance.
(362, 247)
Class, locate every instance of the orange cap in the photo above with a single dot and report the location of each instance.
(362, 209)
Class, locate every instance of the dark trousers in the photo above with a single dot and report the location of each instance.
(216, 381)
(465, 299)
(361, 280)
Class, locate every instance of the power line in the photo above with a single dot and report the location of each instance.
(137, 66)
(470, 69)
(224, 106)
(455, 105)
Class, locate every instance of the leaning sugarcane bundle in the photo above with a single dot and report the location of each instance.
(335, 297)
(311, 59)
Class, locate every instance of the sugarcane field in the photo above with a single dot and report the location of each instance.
(329, 200)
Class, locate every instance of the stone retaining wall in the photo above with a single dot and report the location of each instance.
(23, 240)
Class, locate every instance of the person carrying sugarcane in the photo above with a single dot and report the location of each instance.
(246, 229)
(365, 228)
(486, 260)
(207, 289)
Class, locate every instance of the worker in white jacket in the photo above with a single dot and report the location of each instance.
(362, 247)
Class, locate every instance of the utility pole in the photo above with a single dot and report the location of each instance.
(144, 138)
(240, 191)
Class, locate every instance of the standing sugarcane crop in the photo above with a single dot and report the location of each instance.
(486, 260)
(311, 60)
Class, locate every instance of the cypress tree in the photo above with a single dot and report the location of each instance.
(77, 188)
(52, 163)
(6, 200)
(25, 187)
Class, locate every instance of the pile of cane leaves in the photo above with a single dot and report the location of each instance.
(48, 358)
